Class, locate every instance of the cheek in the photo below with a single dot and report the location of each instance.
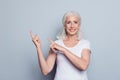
(78, 27)
(67, 26)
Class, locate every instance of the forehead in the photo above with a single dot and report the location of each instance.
(72, 17)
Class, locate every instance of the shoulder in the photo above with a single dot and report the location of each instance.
(58, 41)
(85, 41)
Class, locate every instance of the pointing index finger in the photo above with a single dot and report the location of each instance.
(51, 41)
(31, 34)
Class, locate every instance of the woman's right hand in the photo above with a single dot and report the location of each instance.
(35, 39)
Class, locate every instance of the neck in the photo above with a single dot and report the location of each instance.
(71, 37)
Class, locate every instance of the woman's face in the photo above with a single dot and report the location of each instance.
(72, 25)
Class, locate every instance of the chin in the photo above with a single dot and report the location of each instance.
(73, 33)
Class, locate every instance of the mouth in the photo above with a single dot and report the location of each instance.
(72, 30)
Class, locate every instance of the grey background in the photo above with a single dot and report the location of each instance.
(100, 24)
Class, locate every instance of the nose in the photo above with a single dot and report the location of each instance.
(72, 24)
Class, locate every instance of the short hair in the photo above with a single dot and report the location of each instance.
(63, 34)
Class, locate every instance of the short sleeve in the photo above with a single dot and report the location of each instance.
(86, 45)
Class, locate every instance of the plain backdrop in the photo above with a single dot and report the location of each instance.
(100, 24)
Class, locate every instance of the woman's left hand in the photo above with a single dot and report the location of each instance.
(55, 46)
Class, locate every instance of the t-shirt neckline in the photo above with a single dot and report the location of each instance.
(70, 47)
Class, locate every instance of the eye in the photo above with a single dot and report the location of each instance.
(68, 22)
(75, 22)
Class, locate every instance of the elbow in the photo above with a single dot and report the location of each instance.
(84, 67)
(45, 72)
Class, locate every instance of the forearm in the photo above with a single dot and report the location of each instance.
(78, 62)
(42, 61)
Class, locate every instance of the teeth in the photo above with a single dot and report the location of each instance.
(72, 30)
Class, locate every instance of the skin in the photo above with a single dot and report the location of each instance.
(71, 26)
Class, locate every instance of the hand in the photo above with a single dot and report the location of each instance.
(55, 47)
(35, 39)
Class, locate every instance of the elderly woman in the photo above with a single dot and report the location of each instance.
(71, 51)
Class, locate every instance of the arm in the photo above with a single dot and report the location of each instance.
(48, 64)
(80, 62)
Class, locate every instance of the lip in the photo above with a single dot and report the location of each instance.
(72, 30)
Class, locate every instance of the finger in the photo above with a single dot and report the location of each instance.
(31, 34)
(51, 41)
(53, 49)
(36, 37)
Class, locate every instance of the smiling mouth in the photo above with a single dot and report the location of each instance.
(72, 30)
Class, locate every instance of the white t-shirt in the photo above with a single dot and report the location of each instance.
(65, 69)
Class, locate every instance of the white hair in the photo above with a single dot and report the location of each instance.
(62, 34)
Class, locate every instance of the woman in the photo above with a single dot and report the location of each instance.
(71, 52)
